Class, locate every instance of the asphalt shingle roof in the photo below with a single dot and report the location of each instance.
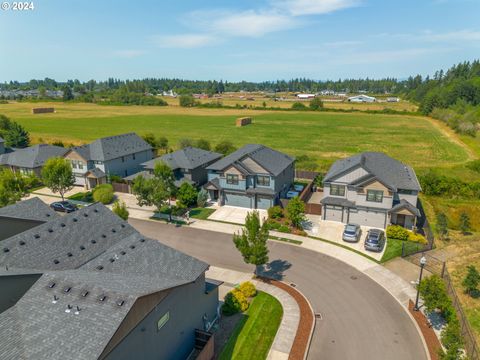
(30, 209)
(187, 158)
(271, 160)
(33, 156)
(404, 204)
(112, 147)
(97, 252)
(387, 170)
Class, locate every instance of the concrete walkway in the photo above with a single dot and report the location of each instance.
(283, 342)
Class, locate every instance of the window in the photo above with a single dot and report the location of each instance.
(263, 180)
(163, 320)
(133, 156)
(74, 164)
(375, 195)
(407, 192)
(80, 165)
(337, 190)
(232, 179)
(123, 158)
(98, 162)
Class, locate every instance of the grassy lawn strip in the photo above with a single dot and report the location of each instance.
(36, 188)
(291, 241)
(394, 249)
(201, 213)
(345, 247)
(254, 334)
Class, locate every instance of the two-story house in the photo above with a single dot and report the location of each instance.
(254, 177)
(119, 155)
(30, 160)
(188, 165)
(371, 189)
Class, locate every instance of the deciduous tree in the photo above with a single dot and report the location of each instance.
(58, 176)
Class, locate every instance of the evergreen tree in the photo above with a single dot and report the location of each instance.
(471, 280)
(442, 225)
(16, 136)
(296, 211)
(464, 223)
(67, 93)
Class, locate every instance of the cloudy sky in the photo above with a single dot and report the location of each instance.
(236, 40)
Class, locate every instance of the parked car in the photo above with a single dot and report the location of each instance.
(351, 233)
(375, 240)
(291, 194)
(63, 206)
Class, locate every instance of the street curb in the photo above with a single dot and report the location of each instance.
(314, 323)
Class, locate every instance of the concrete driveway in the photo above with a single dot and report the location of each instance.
(234, 214)
(333, 230)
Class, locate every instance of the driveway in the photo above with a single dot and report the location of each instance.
(360, 320)
(333, 231)
(234, 214)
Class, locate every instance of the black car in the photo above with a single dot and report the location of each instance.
(63, 206)
(375, 240)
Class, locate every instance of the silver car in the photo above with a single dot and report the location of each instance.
(351, 233)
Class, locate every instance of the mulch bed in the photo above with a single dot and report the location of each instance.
(429, 335)
(302, 338)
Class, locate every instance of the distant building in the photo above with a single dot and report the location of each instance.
(362, 99)
(305, 96)
(169, 93)
(393, 99)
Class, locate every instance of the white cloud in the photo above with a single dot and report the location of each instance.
(460, 35)
(129, 53)
(313, 7)
(184, 41)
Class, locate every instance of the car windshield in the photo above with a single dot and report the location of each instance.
(350, 229)
(373, 237)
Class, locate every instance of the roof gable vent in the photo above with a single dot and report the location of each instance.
(102, 298)
(85, 293)
(67, 289)
(120, 302)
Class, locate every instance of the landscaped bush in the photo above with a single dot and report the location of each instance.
(418, 238)
(275, 212)
(273, 225)
(284, 229)
(187, 195)
(202, 198)
(248, 289)
(397, 232)
(103, 193)
(120, 208)
(234, 302)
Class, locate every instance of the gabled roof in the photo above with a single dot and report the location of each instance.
(30, 209)
(33, 156)
(95, 251)
(96, 172)
(404, 204)
(392, 173)
(187, 158)
(112, 147)
(271, 160)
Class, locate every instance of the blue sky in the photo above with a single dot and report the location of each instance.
(236, 40)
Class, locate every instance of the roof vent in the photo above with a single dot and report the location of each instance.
(22, 242)
(93, 241)
(142, 240)
(55, 299)
(122, 225)
(102, 297)
(50, 230)
(51, 285)
(69, 308)
(85, 293)
(74, 219)
(104, 236)
(36, 236)
(6, 250)
(85, 215)
(99, 267)
(122, 252)
(120, 302)
(95, 210)
(132, 247)
(67, 289)
(77, 312)
(112, 260)
(114, 231)
(82, 247)
(69, 254)
(56, 262)
(48, 215)
(62, 225)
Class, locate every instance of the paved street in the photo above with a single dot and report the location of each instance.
(360, 319)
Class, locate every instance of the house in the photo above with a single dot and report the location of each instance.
(362, 99)
(188, 164)
(87, 285)
(393, 99)
(371, 189)
(30, 160)
(254, 177)
(2, 146)
(305, 96)
(119, 155)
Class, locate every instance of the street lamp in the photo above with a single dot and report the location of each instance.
(423, 261)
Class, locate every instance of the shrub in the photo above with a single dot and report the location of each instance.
(234, 302)
(296, 212)
(418, 238)
(284, 229)
(434, 294)
(187, 194)
(275, 212)
(202, 198)
(248, 289)
(103, 193)
(273, 225)
(316, 104)
(298, 106)
(452, 339)
(120, 208)
(187, 101)
(117, 179)
(397, 232)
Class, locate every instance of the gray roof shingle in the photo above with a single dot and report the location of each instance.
(271, 160)
(112, 147)
(404, 204)
(116, 261)
(33, 156)
(30, 209)
(387, 170)
(187, 158)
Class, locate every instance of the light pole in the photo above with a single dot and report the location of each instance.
(423, 261)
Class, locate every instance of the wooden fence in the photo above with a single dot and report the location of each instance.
(121, 187)
(204, 341)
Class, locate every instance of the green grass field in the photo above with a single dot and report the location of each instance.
(254, 334)
(323, 137)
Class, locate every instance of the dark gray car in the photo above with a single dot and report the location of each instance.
(351, 233)
(375, 240)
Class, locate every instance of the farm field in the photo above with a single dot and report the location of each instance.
(323, 137)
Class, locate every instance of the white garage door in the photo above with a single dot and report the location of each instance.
(367, 218)
(333, 213)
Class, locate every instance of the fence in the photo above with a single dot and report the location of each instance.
(438, 267)
(120, 187)
(423, 227)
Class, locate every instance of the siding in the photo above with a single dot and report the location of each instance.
(351, 176)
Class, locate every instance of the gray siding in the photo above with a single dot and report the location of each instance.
(128, 166)
(285, 180)
(175, 340)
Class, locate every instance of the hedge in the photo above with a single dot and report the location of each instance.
(103, 193)
(248, 289)
(234, 302)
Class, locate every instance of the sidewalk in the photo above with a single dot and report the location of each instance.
(283, 342)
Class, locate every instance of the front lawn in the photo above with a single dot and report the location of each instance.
(201, 213)
(82, 196)
(394, 249)
(254, 334)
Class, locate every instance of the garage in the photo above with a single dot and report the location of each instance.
(264, 202)
(367, 217)
(237, 200)
(333, 213)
